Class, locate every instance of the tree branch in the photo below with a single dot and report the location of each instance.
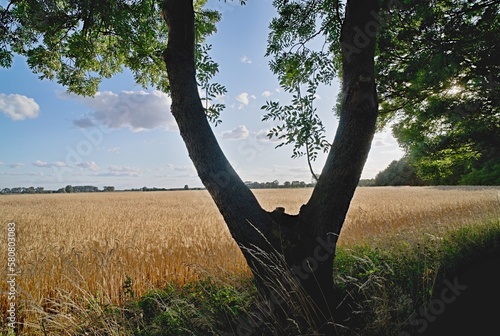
(331, 197)
(246, 220)
(309, 162)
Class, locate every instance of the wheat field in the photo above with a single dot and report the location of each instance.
(93, 242)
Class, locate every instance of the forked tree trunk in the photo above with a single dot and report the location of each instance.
(303, 244)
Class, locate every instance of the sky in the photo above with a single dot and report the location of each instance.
(125, 136)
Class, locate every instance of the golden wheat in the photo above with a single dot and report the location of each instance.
(94, 241)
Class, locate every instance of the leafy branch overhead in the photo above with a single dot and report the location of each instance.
(304, 46)
(439, 84)
(80, 43)
(206, 70)
(438, 79)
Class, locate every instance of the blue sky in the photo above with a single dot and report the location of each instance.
(46, 139)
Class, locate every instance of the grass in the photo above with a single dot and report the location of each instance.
(94, 263)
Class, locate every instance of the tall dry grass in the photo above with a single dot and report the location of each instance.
(90, 243)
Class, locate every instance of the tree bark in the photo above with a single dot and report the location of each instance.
(235, 201)
(321, 219)
(303, 245)
(253, 228)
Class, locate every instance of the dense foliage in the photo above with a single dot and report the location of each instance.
(398, 173)
(439, 82)
(438, 66)
(80, 43)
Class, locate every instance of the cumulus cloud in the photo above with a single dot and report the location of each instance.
(385, 143)
(380, 140)
(262, 136)
(83, 123)
(16, 165)
(121, 171)
(18, 107)
(384, 139)
(240, 132)
(114, 150)
(44, 164)
(245, 60)
(90, 165)
(184, 168)
(267, 93)
(59, 164)
(136, 110)
(244, 99)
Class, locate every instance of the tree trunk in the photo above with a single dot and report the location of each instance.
(321, 219)
(283, 251)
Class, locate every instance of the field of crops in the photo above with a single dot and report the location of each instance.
(72, 244)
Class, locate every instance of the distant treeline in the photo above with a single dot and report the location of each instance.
(276, 184)
(79, 189)
(88, 188)
(398, 173)
(67, 189)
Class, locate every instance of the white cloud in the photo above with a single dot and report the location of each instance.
(262, 136)
(16, 165)
(43, 164)
(18, 107)
(121, 171)
(378, 142)
(240, 132)
(114, 150)
(90, 165)
(184, 168)
(83, 123)
(244, 99)
(267, 93)
(301, 170)
(381, 139)
(385, 143)
(59, 164)
(245, 60)
(136, 110)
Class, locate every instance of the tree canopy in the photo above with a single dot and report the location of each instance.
(439, 83)
(80, 43)
(437, 64)
(398, 173)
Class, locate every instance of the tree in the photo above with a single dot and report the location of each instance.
(399, 172)
(439, 78)
(80, 43)
(259, 233)
(68, 189)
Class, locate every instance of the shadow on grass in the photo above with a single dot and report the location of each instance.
(475, 311)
